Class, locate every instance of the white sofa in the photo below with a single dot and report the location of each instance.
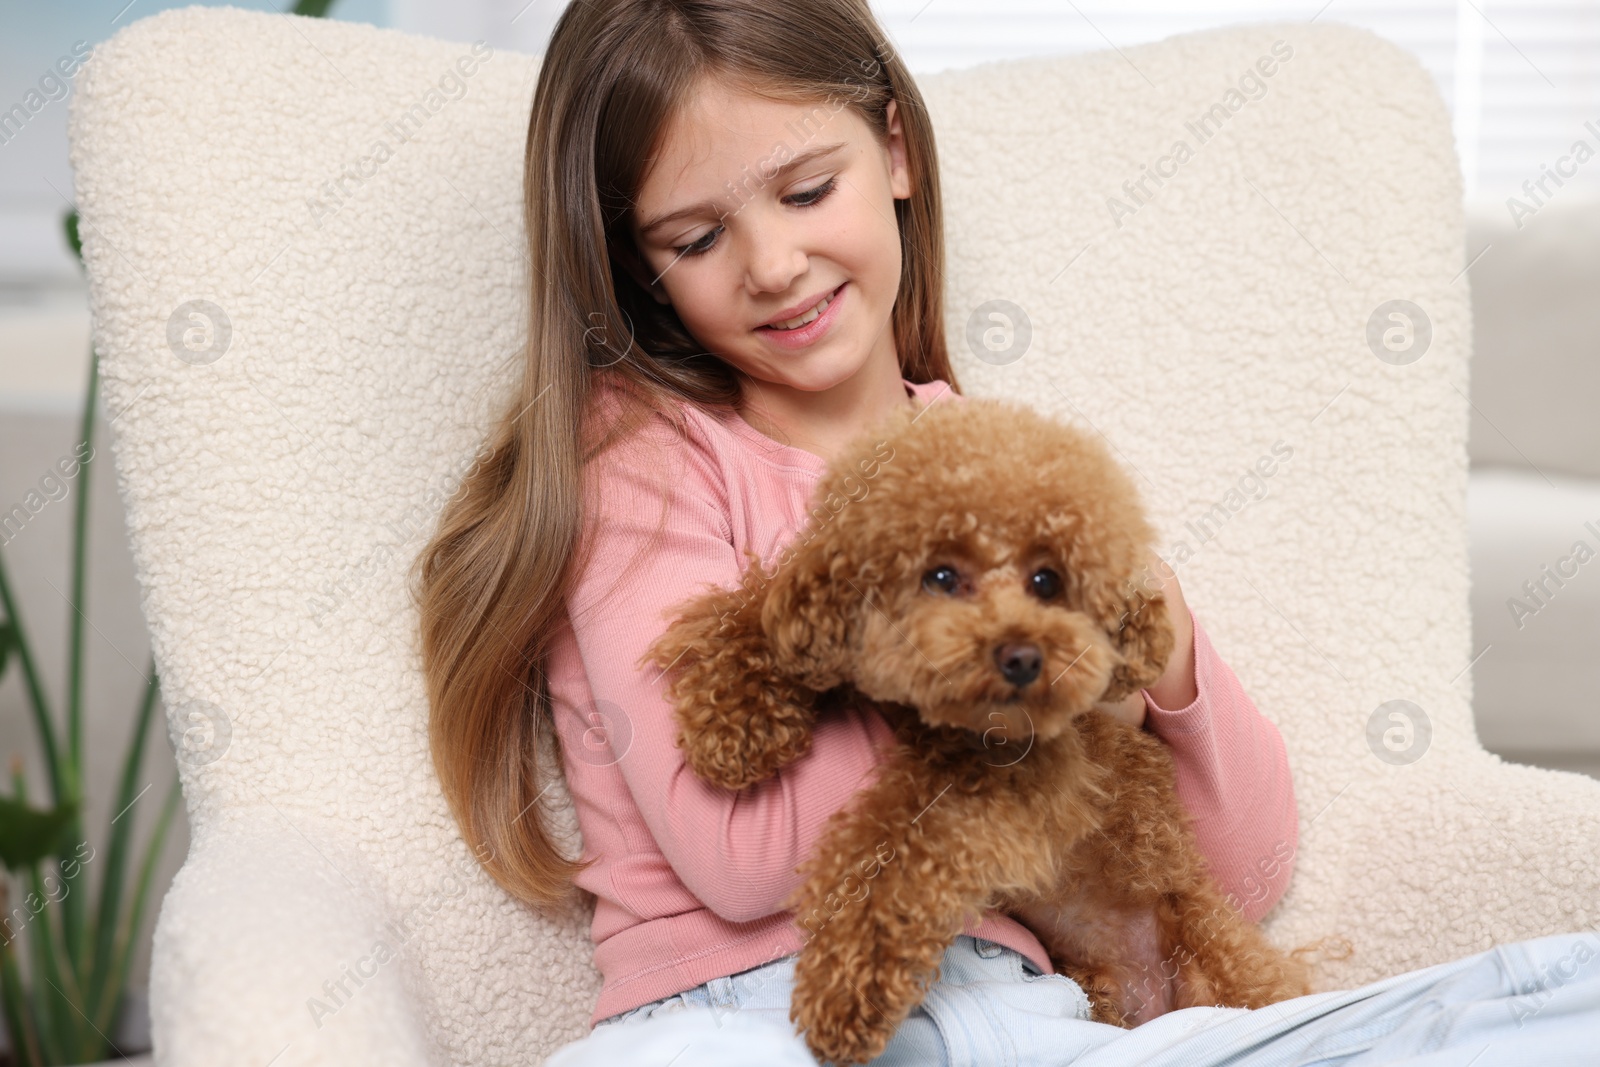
(1535, 488)
(1225, 316)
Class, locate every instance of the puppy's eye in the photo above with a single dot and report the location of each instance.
(1045, 583)
(941, 579)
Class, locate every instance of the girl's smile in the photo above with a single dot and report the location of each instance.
(797, 328)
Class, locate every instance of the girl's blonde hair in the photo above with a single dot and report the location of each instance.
(495, 576)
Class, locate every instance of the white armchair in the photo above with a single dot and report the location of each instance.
(304, 335)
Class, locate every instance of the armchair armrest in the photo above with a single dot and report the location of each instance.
(274, 946)
(1427, 863)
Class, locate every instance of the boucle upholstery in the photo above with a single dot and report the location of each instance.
(348, 197)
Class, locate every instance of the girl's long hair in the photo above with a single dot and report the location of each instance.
(494, 579)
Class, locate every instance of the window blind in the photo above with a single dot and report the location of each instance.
(1521, 77)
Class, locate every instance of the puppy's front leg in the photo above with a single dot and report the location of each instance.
(739, 718)
(894, 880)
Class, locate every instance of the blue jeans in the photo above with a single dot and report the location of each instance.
(1532, 1003)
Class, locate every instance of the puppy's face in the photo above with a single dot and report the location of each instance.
(990, 635)
(989, 568)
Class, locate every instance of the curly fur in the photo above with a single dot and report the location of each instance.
(1005, 791)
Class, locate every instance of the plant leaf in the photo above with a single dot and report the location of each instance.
(119, 834)
(124, 956)
(17, 1011)
(69, 223)
(28, 835)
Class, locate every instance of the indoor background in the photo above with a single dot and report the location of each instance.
(1521, 80)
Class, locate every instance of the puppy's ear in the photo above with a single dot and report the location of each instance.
(1133, 609)
(740, 716)
(812, 608)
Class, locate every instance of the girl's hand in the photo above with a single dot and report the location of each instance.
(1176, 688)
(1130, 709)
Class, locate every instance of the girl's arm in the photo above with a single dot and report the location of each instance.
(1231, 767)
(734, 851)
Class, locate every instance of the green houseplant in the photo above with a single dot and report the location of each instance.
(79, 952)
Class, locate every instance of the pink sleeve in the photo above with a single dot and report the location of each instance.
(735, 851)
(1233, 779)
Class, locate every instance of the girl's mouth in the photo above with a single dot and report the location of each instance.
(807, 326)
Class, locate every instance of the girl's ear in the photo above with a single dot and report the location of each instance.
(629, 258)
(809, 617)
(899, 169)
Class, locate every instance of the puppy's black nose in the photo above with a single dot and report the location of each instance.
(1019, 663)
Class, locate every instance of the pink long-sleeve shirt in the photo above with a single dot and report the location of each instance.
(689, 877)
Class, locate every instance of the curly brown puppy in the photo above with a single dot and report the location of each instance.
(974, 569)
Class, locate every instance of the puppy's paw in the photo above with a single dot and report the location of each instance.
(840, 1020)
(1106, 996)
(739, 745)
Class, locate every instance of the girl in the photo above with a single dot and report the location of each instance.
(734, 226)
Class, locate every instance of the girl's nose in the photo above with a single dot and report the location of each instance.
(773, 258)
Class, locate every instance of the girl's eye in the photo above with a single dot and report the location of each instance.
(814, 195)
(941, 579)
(700, 247)
(808, 198)
(1045, 583)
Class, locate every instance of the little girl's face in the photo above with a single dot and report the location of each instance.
(757, 213)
